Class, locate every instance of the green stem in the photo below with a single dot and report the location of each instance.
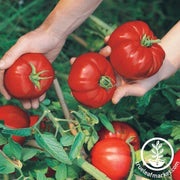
(53, 119)
(89, 168)
(132, 163)
(147, 42)
(5, 177)
(105, 82)
(35, 77)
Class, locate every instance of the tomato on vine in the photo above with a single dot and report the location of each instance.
(113, 157)
(176, 166)
(15, 118)
(123, 131)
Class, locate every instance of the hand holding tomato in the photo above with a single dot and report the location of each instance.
(92, 80)
(170, 65)
(29, 77)
(40, 40)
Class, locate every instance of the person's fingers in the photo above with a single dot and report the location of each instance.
(2, 88)
(41, 98)
(26, 104)
(72, 60)
(35, 103)
(106, 51)
(106, 39)
(13, 54)
(128, 90)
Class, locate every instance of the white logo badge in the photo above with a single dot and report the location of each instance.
(156, 161)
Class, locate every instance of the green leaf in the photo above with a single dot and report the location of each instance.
(73, 171)
(16, 149)
(175, 132)
(40, 176)
(3, 140)
(67, 140)
(77, 145)
(61, 173)
(28, 153)
(106, 122)
(49, 143)
(5, 166)
(18, 132)
(92, 140)
(53, 163)
(46, 102)
(170, 97)
(165, 128)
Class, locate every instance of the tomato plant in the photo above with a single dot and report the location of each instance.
(29, 77)
(135, 52)
(176, 165)
(14, 118)
(92, 80)
(113, 157)
(123, 131)
(43, 125)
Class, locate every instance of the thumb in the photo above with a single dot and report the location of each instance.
(128, 90)
(12, 55)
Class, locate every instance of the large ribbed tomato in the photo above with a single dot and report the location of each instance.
(135, 52)
(14, 118)
(29, 77)
(113, 157)
(92, 80)
(123, 131)
(176, 166)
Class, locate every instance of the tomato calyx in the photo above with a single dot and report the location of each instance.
(147, 42)
(35, 77)
(105, 82)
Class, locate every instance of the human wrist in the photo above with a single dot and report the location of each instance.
(67, 16)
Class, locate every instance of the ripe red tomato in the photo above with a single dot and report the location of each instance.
(135, 52)
(43, 125)
(29, 77)
(176, 165)
(123, 131)
(113, 157)
(14, 118)
(92, 80)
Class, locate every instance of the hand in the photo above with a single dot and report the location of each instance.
(41, 40)
(126, 87)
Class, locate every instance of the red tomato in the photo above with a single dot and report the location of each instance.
(43, 125)
(176, 166)
(29, 77)
(113, 157)
(92, 80)
(14, 118)
(123, 131)
(135, 52)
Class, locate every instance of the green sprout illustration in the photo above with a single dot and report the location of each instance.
(157, 155)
